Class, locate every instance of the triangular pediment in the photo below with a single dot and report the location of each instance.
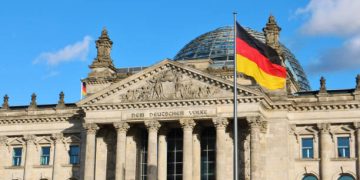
(168, 81)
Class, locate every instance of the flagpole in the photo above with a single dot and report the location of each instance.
(236, 159)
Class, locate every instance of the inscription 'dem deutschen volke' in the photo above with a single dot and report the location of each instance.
(167, 114)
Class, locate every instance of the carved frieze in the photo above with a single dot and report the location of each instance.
(169, 84)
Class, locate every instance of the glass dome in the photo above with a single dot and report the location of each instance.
(218, 45)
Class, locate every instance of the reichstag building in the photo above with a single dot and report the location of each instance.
(174, 121)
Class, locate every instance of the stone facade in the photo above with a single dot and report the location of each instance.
(127, 125)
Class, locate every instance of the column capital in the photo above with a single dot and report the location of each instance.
(121, 127)
(29, 138)
(3, 140)
(187, 123)
(324, 128)
(257, 122)
(90, 128)
(356, 125)
(57, 137)
(152, 125)
(220, 122)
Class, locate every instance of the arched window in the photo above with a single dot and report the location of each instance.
(208, 154)
(346, 177)
(309, 177)
(175, 154)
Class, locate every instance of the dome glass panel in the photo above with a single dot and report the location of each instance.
(218, 45)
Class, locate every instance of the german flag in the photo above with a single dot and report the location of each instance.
(258, 60)
(83, 89)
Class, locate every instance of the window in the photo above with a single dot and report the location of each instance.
(208, 154)
(143, 157)
(343, 147)
(307, 147)
(17, 152)
(175, 155)
(309, 177)
(45, 155)
(346, 177)
(74, 154)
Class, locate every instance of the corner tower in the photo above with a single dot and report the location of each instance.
(271, 32)
(103, 71)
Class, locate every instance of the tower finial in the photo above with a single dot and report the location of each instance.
(61, 102)
(357, 88)
(103, 46)
(322, 85)
(104, 32)
(5, 104)
(33, 104)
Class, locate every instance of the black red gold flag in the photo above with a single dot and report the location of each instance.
(258, 60)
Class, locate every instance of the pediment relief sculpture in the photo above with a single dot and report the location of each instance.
(169, 85)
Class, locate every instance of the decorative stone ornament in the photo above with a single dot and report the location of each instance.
(257, 122)
(29, 138)
(61, 102)
(103, 46)
(324, 127)
(5, 104)
(33, 104)
(187, 123)
(57, 137)
(122, 127)
(152, 125)
(220, 122)
(90, 128)
(322, 85)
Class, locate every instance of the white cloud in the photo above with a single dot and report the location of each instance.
(338, 17)
(71, 52)
(335, 18)
(346, 57)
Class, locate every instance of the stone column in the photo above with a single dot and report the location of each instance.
(121, 128)
(196, 153)
(257, 126)
(357, 148)
(153, 127)
(220, 124)
(29, 155)
(57, 156)
(325, 151)
(89, 171)
(82, 154)
(188, 126)
(162, 155)
(3, 141)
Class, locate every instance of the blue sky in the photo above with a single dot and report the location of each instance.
(46, 46)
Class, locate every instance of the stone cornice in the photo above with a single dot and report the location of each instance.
(38, 119)
(170, 103)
